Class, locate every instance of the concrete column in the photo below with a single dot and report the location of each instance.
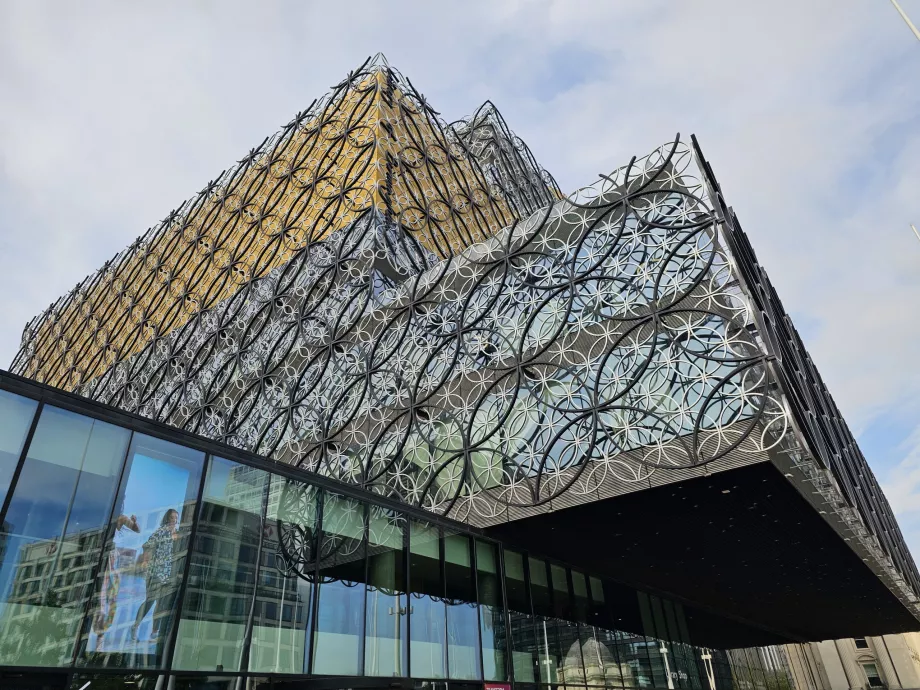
(804, 669)
(904, 659)
(885, 663)
(846, 649)
(832, 662)
(816, 663)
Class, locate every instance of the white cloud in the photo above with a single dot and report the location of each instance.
(112, 115)
(903, 489)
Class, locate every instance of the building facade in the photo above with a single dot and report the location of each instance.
(886, 661)
(263, 574)
(595, 402)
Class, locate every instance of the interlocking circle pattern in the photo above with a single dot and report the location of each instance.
(415, 308)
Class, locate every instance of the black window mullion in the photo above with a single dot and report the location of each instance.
(247, 637)
(314, 590)
(500, 560)
(593, 607)
(177, 615)
(661, 635)
(551, 631)
(525, 564)
(474, 566)
(83, 628)
(407, 562)
(365, 548)
(442, 555)
(22, 458)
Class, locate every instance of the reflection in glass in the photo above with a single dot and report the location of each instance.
(656, 649)
(338, 639)
(221, 579)
(181, 682)
(384, 646)
(593, 654)
(524, 651)
(426, 605)
(491, 612)
(16, 415)
(463, 648)
(611, 609)
(598, 656)
(281, 620)
(54, 533)
(135, 681)
(134, 598)
(567, 656)
(549, 655)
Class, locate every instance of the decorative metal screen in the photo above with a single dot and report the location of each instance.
(416, 308)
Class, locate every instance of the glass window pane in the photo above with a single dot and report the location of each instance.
(524, 650)
(134, 598)
(515, 584)
(615, 613)
(426, 605)
(544, 628)
(548, 657)
(222, 573)
(55, 529)
(656, 649)
(632, 653)
(539, 588)
(462, 611)
(16, 415)
(339, 636)
(683, 662)
(561, 602)
(491, 612)
(566, 655)
(617, 671)
(670, 657)
(581, 602)
(385, 635)
(281, 621)
(595, 656)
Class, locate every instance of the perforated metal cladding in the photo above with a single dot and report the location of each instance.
(599, 342)
(372, 146)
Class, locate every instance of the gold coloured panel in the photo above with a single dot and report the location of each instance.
(373, 144)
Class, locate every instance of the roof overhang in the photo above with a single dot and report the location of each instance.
(744, 544)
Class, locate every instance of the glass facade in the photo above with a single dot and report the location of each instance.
(126, 559)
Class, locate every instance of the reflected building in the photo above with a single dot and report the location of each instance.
(48, 583)
(382, 402)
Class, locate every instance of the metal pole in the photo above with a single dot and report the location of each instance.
(667, 666)
(910, 24)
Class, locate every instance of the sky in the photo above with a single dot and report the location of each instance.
(111, 114)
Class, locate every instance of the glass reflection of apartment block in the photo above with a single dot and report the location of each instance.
(233, 576)
(46, 596)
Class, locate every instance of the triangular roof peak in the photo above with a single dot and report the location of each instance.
(372, 145)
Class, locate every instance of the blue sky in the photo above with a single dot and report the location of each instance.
(809, 112)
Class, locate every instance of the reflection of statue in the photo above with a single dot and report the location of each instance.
(157, 558)
(594, 664)
(111, 581)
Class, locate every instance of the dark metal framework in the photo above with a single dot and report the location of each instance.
(823, 428)
(304, 555)
(414, 307)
